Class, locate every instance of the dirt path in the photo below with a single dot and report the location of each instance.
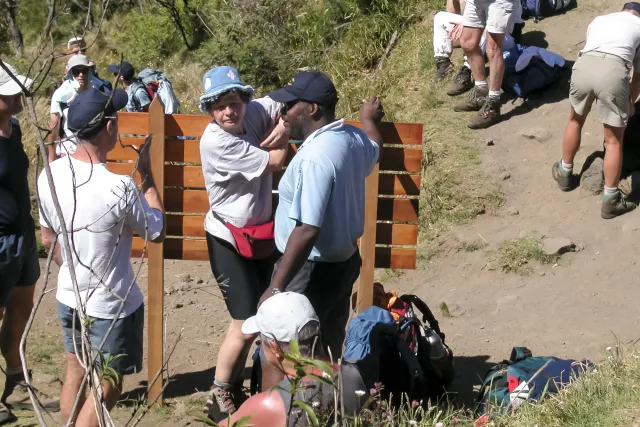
(572, 310)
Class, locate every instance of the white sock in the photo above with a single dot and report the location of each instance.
(482, 85)
(494, 95)
(568, 167)
(608, 191)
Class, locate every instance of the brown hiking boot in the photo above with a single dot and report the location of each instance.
(615, 205)
(443, 67)
(16, 395)
(474, 102)
(489, 115)
(566, 181)
(462, 82)
(6, 416)
(221, 403)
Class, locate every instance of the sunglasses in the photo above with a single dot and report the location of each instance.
(288, 106)
(77, 70)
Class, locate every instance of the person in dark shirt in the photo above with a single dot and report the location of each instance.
(19, 266)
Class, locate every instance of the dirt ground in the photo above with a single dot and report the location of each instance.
(575, 309)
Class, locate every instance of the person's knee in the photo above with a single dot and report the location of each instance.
(235, 331)
(468, 41)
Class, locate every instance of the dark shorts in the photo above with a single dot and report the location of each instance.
(328, 285)
(242, 281)
(19, 264)
(123, 347)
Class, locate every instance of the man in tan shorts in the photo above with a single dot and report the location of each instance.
(498, 17)
(602, 73)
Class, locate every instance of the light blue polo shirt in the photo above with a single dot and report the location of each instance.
(323, 186)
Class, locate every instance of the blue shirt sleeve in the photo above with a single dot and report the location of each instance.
(311, 194)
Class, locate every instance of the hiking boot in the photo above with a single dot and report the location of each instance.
(221, 403)
(474, 102)
(489, 115)
(16, 395)
(614, 205)
(462, 82)
(443, 67)
(6, 416)
(565, 180)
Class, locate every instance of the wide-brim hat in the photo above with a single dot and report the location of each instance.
(8, 86)
(218, 81)
(78, 61)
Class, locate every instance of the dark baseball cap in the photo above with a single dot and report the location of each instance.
(310, 86)
(125, 69)
(89, 110)
(632, 5)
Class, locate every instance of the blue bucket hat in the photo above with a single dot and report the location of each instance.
(218, 81)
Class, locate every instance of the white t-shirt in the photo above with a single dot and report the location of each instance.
(233, 169)
(107, 213)
(616, 34)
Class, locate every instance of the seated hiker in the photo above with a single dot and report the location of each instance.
(447, 28)
(602, 73)
(280, 319)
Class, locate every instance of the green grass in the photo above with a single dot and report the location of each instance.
(46, 357)
(514, 255)
(472, 246)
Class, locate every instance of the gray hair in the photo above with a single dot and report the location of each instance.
(308, 336)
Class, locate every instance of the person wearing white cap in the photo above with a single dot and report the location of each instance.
(281, 319)
(19, 266)
(79, 78)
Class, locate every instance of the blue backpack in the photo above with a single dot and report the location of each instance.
(538, 9)
(525, 377)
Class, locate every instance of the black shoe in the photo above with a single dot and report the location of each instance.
(443, 67)
(462, 82)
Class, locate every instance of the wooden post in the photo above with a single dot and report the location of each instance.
(368, 241)
(155, 308)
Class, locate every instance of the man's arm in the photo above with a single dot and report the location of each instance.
(48, 238)
(149, 190)
(299, 246)
(54, 132)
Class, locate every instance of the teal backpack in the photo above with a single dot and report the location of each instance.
(494, 393)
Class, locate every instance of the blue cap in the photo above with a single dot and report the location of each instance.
(310, 86)
(218, 81)
(87, 111)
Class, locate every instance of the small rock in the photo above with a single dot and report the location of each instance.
(592, 179)
(186, 278)
(486, 340)
(542, 273)
(557, 245)
(513, 211)
(505, 176)
(539, 134)
(178, 305)
(481, 327)
(490, 143)
(199, 281)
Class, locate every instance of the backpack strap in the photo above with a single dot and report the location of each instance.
(427, 315)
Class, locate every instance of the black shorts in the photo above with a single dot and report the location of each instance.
(328, 285)
(242, 281)
(19, 265)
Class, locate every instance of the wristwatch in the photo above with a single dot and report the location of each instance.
(275, 291)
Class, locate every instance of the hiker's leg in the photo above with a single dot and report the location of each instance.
(470, 42)
(443, 23)
(613, 155)
(71, 387)
(572, 136)
(495, 44)
(453, 6)
(233, 353)
(18, 310)
(88, 417)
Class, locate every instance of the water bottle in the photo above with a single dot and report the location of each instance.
(437, 349)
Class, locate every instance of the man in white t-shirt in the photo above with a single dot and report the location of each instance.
(79, 78)
(602, 73)
(100, 211)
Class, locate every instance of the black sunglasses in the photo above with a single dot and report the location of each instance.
(77, 70)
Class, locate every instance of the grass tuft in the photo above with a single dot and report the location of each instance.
(514, 255)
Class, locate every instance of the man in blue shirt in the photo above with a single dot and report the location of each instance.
(320, 214)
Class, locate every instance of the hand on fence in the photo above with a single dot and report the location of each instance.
(144, 159)
(371, 110)
(277, 138)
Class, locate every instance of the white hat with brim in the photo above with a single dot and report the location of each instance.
(281, 317)
(8, 85)
(77, 61)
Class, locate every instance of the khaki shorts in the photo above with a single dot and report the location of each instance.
(603, 78)
(496, 16)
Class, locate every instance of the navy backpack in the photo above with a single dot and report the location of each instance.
(538, 9)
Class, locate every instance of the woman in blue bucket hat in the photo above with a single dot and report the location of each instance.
(240, 149)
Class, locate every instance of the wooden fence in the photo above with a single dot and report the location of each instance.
(391, 216)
